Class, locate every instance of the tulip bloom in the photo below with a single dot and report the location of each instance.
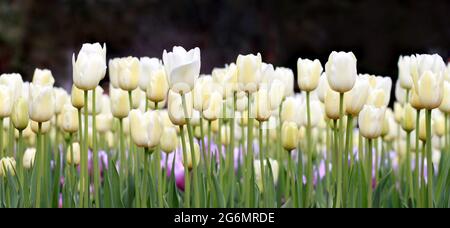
(175, 107)
(90, 66)
(6, 101)
(28, 158)
(182, 68)
(308, 74)
(169, 139)
(404, 72)
(146, 67)
(128, 73)
(145, 128)
(371, 121)
(249, 72)
(42, 103)
(289, 135)
(357, 96)
(120, 104)
(7, 166)
(69, 119)
(19, 114)
(341, 71)
(43, 77)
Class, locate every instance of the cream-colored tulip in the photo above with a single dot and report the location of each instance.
(341, 71)
(61, 98)
(262, 104)
(73, 158)
(43, 77)
(445, 104)
(7, 166)
(398, 112)
(175, 107)
(169, 139)
(380, 92)
(182, 68)
(276, 94)
(158, 86)
(289, 135)
(14, 82)
(138, 97)
(227, 78)
(77, 97)
(332, 100)
(308, 74)
(286, 75)
(145, 128)
(42, 103)
(104, 122)
(202, 91)
(386, 128)
(28, 158)
(189, 165)
(409, 118)
(249, 72)
(289, 110)
(422, 126)
(90, 66)
(19, 114)
(214, 110)
(404, 72)
(146, 67)
(69, 118)
(357, 96)
(128, 73)
(6, 101)
(371, 121)
(120, 104)
(438, 123)
(414, 99)
(400, 93)
(113, 65)
(322, 87)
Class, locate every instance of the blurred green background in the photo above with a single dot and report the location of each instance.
(45, 33)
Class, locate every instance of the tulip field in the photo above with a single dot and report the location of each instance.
(162, 135)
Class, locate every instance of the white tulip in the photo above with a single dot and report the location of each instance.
(371, 121)
(42, 103)
(357, 96)
(43, 77)
(14, 82)
(90, 66)
(249, 72)
(128, 73)
(308, 74)
(146, 67)
(175, 107)
(182, 68)
(341, 71)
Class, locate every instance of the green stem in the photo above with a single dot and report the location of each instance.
(134, 157)
(187, 187)
(1, 138)
(85, 177)
(39, 166)
(408, 165)
(249, 153)
(191, 145)
(429, 159)
(341, 148)
(261, 162)
(347, 151)
(309, 183)
(95, 155)
(417, 164)
(369, 173)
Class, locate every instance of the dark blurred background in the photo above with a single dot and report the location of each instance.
(45, 33)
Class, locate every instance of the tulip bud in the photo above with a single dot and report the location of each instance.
(422, 126)
(189, 159)
(445, 105)
(202, 91)
(42, 103)
(69, 119)
(276, 94)
(77, 97)
(146, 67)
(104, 122)
(308, 74)
(371, 121)
(289, 110)
(357, 96)
(404, 73)
(287, 77)
(14, 82)
(249, 72)
(158, 86)
(120, 104)
(128, 73)
(19, 115)
(61, 97)
(398, 112)
(430, 90)
(175, 107)
(289, 135)
(409, 118)
(43, 77)
(182, 68)
(7, 166)
(262, 108)
(73, 158)
(438, 123)
(169, 139)
(145, 128)
(90, 66)
(341, 71)
(322, 87)
(332, 100)
(6, 101)
(28, 158)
